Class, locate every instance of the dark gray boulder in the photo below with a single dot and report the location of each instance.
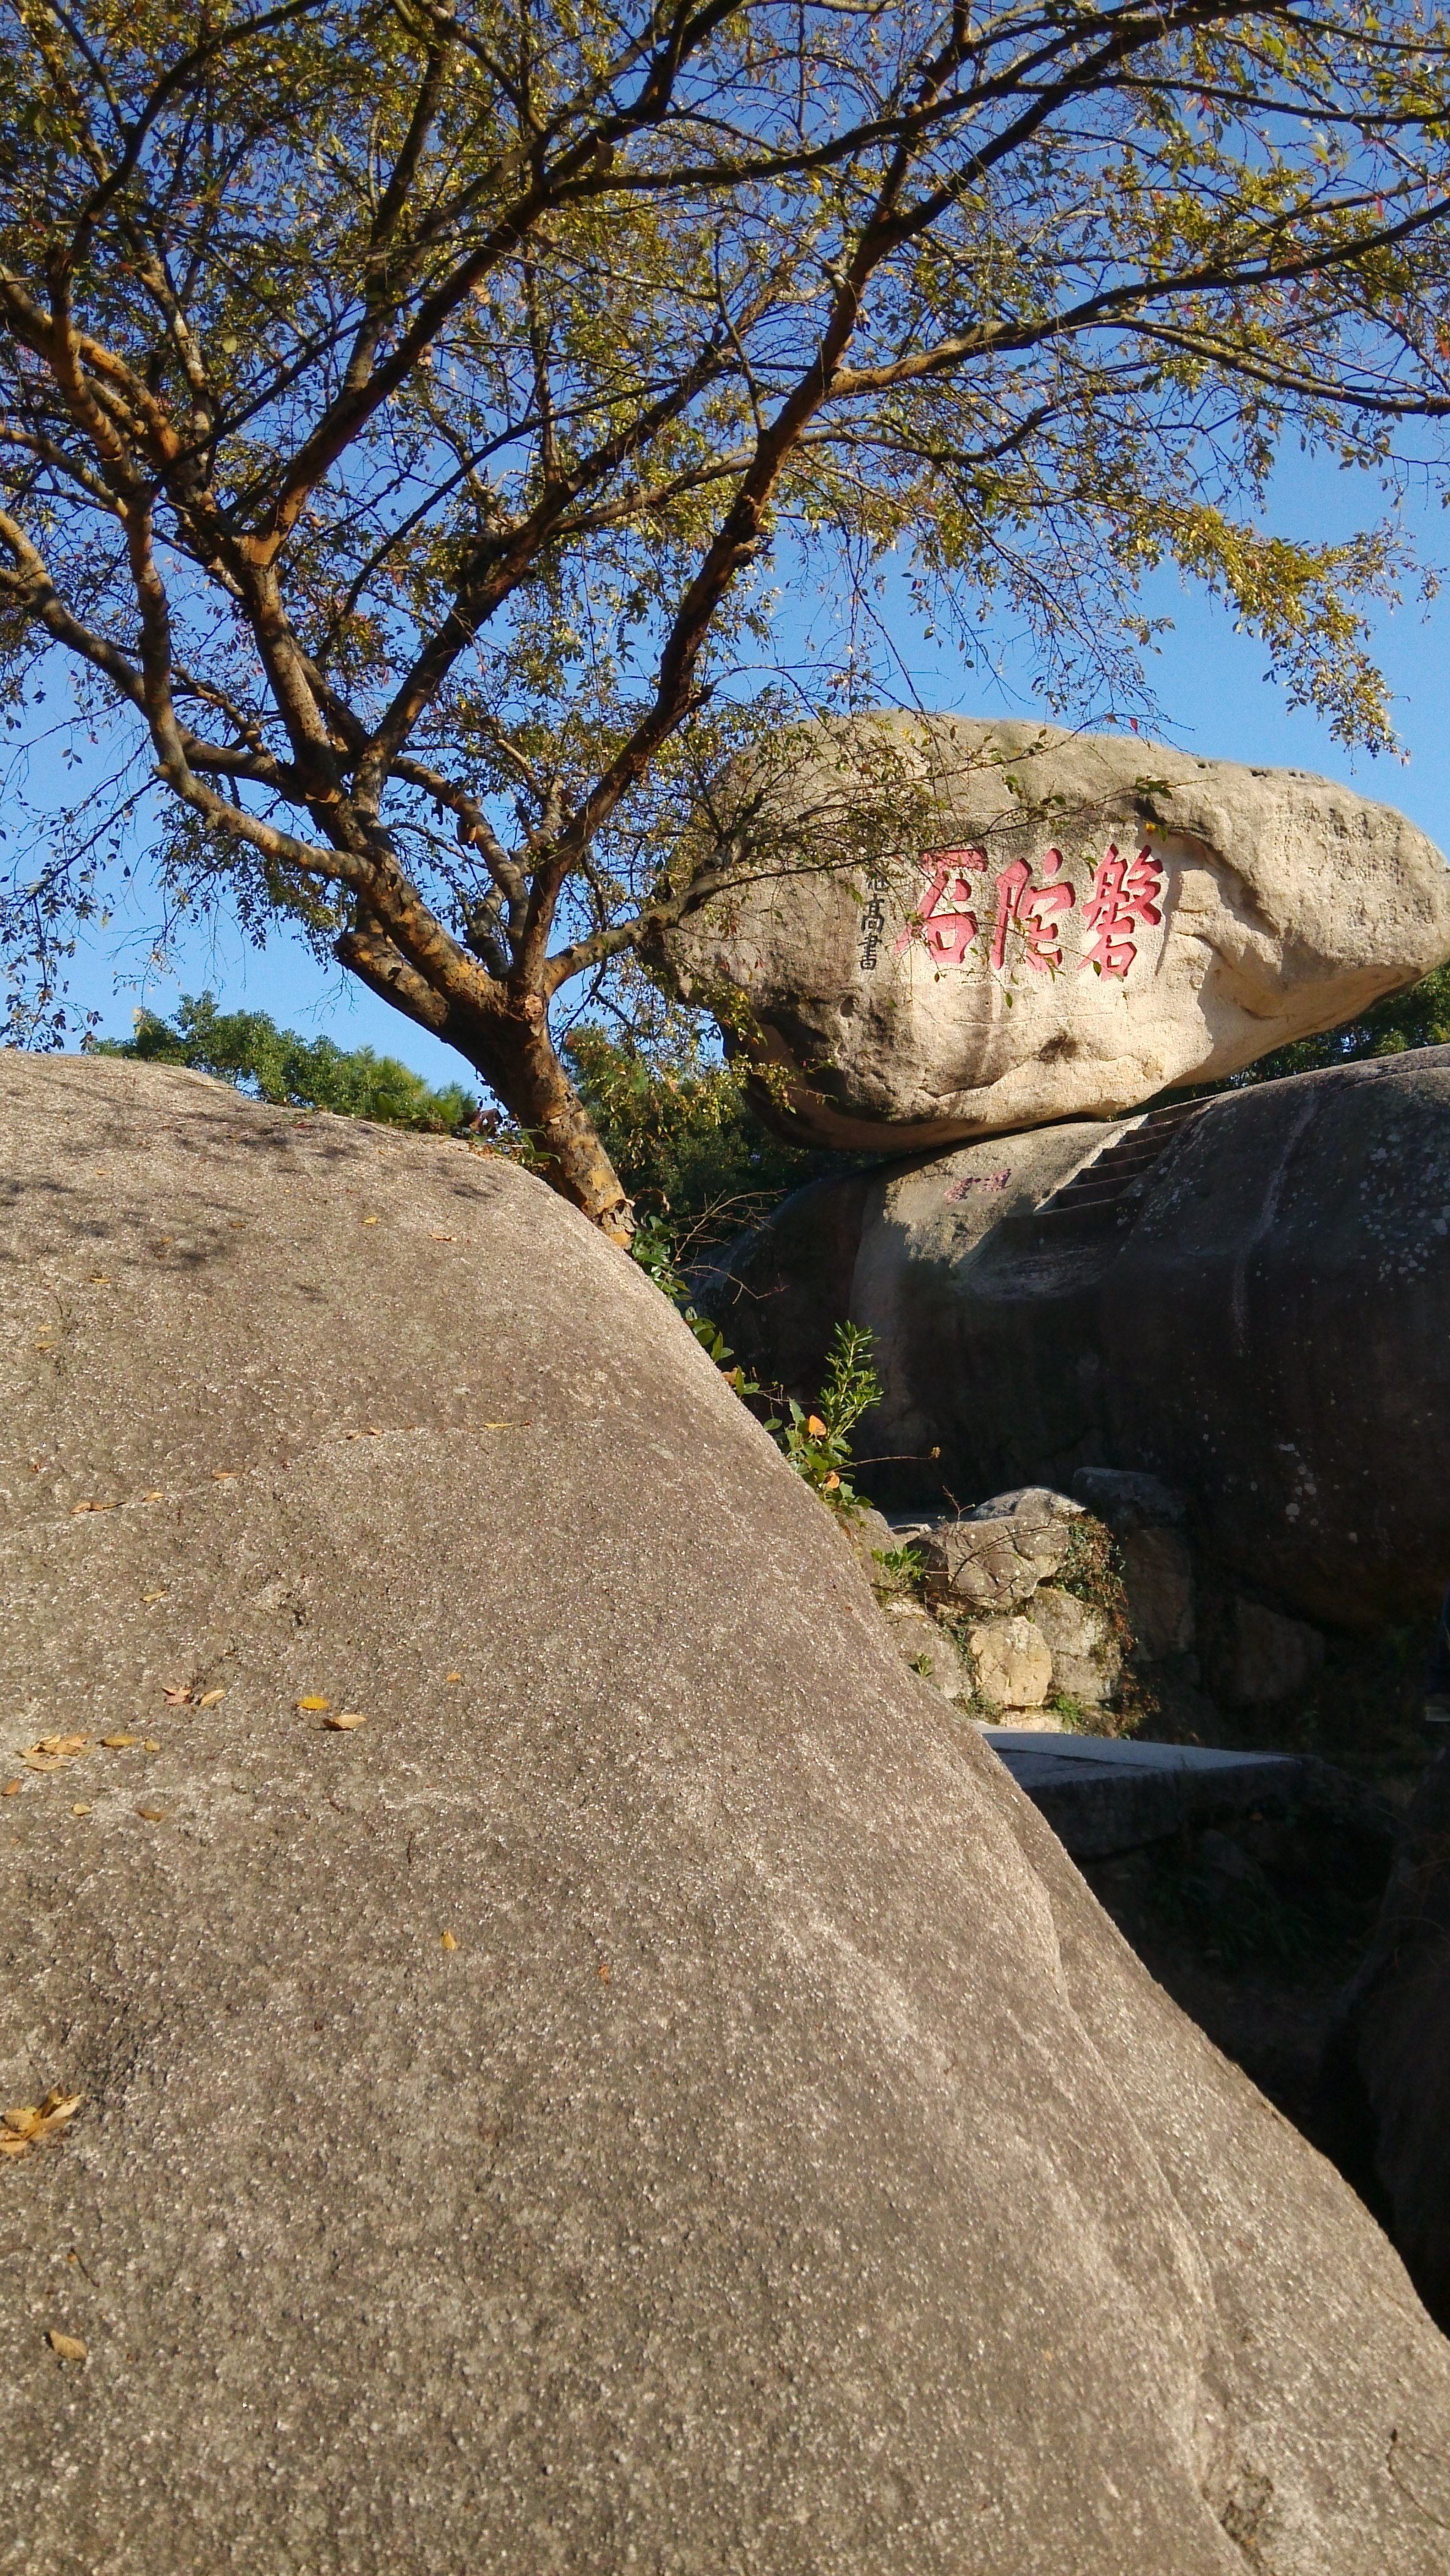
(787, 2167)
(1247, 1298)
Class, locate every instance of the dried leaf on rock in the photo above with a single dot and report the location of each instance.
(153, 1815)
(11, 1789)
(151, 1745)
(27, 2125)
(119, 1743)
(69, 2347)
(83, 1811)
(312, 1700)
(210, 1698)
(177, 1694)
(450, 1940)
(346, 1718)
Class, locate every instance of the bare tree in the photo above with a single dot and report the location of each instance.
(414, 414)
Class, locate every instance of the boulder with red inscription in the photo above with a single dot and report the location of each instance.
(1067, 925)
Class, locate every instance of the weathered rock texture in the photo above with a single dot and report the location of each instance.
(1096, 920)
(789, 2169)
(1249, 1298)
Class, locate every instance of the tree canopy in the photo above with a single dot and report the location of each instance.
(423, 423)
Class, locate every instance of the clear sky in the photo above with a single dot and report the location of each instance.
(1209, 681)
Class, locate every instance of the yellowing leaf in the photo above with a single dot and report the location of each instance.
(119, 1743)
(210, 1698)
(147, 1598)
(450, 1941)
(346, 1718)
(312, 1701)
(83, 1811)
(62, 1744)
(11, 1789)
(177, 1694)
(69, 2347)
(832, 1481)
(453, 1677)
(77, 1509)
(815, 1426)
(370, 1220)
(24, 2122)
(153, 1815)
(151, 1745)
(224, 1475)
(436, 1237)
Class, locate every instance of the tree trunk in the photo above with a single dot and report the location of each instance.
(514, 1052)
(533, 1084)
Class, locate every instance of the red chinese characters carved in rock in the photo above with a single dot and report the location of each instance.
(1125, 893)
(1033, 912)
(945, 905)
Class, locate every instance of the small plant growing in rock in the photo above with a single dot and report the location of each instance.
(818, 1444)
(653, 1247)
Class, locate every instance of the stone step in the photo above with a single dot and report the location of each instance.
(1103, 1794)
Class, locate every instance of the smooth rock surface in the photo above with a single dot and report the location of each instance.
(1146, 1518)
(1257, 1656)
(789, 2169)
(1095, 919)
(1248, 1298)
(1391, 2058)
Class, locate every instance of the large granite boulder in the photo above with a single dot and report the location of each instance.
(1078, 923)
(653, 2094)
(1248, 1298)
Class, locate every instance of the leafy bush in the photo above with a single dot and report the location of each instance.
(276, 1065)
(679, 1131)
(818, 1444)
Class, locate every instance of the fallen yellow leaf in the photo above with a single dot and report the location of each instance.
(210, 1698)
(83, 1811)
(62, 1743)
(443, 1238)
(604, 1972)
(224, 1475)
(370, 1220)
(77, 1509)
(313, 1700)
(453, 1677)
(99, 1279)
(119, 1743)
(11, 1789)
(177, 1694)
(346, 1718)
(450, 1941)
(69, 2347)
(22, 2127)
(151, 1745)
(147, 1598)
(153, 1815)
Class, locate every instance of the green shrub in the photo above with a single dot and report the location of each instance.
(276, 1065)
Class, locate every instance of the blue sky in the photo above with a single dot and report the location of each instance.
(1209, 680)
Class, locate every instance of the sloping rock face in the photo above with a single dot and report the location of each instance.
(1249, 1298)
(788, 2168)
(1095, 921)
